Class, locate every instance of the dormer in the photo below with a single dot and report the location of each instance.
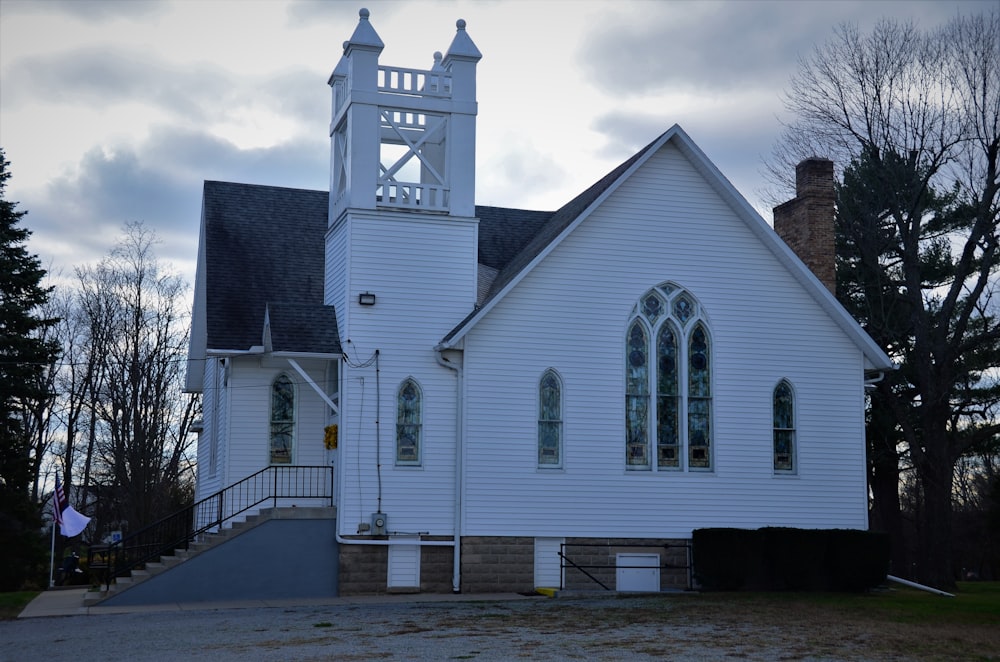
(403, 139)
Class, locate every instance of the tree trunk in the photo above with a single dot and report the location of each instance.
(935, 554)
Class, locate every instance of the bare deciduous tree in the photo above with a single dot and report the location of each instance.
(918, 113)
(135, 321)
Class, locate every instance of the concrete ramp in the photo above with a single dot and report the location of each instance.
(289, 553)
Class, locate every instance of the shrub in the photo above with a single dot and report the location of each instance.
(779, 559)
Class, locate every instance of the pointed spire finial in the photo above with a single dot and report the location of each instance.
(364, 34)
(462, 45)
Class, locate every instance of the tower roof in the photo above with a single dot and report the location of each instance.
(462, 45)
(364, 36)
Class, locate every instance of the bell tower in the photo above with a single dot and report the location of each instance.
(401, 266)
(402, 225)
(403, 139)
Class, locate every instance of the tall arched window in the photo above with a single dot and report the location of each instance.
(409, 422)
(282, 420)
(668, 324)
(699, 400)
(637, 396)
(784, 427)
(550, 420)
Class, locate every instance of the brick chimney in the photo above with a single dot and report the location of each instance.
(805, 223)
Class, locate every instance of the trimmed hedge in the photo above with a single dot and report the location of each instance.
(784, 559)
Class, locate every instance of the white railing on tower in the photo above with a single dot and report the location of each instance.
(407, 195)
(415, 82)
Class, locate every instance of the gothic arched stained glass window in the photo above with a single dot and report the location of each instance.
(668, 355)
(667, 396)
(550, 420)
(637, 397)
(409, 422)
(282, 435)
(784, 427)
(699, 400)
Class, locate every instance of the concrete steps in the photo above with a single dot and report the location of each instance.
(200, 546)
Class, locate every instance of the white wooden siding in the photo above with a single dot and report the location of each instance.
(570, 313)
(213, 432)
(249, 392)
(335, 280)
(426, 287)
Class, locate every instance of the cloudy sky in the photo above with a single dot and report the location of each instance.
(114, 111)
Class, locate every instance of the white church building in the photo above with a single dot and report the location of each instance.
(509, 399)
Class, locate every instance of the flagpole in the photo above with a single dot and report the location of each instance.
(52, 554)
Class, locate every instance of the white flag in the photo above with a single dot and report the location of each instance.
(71, 523)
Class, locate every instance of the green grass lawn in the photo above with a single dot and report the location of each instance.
(975, 603)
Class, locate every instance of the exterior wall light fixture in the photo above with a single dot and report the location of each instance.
(366, 299)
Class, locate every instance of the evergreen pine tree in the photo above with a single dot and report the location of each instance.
(23, 356)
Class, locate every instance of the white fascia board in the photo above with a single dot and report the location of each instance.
(874, 355)
(451, 343)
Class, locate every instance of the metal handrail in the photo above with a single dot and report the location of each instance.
(179, 530)
(567, 563)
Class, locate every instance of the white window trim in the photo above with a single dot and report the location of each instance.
(794, 470)
(295, 419)
(561, 447)
(668, 293)
(419, 461)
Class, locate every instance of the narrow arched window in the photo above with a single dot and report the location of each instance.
(409, 423)
(550, 420)
(784, 427)
(637, 397)
(699, 400)
(282, 420)
(667, 399)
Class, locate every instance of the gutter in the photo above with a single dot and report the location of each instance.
(456, 579)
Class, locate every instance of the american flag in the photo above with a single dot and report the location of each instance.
(70, 522)
(60, 502)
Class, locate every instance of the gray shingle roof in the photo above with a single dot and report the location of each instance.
(303, 328)
(265, 245)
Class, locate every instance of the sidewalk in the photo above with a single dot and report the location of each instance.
(69, 602)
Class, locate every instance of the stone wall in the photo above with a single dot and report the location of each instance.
(492, 564)
(436, 565)
(363, 569)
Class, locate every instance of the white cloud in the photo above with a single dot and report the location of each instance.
(117, 111)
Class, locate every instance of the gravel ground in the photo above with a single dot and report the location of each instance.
(683, 627)
(525, 629)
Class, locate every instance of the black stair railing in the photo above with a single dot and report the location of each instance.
(179, 530)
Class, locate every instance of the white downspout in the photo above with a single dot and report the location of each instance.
(341, 540)
(456, 578)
